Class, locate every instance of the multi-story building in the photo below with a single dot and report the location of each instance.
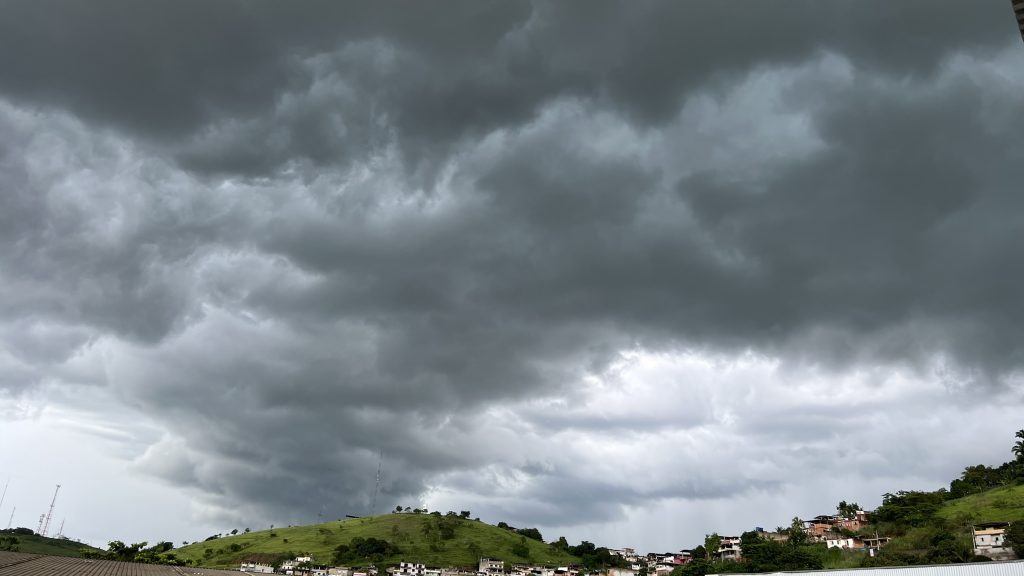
(990, 540)
(488, 566)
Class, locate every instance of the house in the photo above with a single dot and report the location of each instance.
(409, 569)
(729, 548)
(488, 566)
(990, 540)
(818, 528)
(844, 543)
(339, 571)
(662, 570)
(256, 568)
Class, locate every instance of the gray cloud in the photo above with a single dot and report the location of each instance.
(295, 239)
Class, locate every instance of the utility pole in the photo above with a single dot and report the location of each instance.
(49, 515)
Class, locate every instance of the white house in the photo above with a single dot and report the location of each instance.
(256, 568)
(990, 540)
(845, 543)
(488, 566)
(729, 548)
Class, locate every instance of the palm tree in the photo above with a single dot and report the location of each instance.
(1018, 448)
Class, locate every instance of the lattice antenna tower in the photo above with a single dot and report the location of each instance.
(11, 519)
(376, 487)
(49, 515)
(60, 532)
(4, 495)
(39, 528)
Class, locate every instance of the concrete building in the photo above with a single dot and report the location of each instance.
(729, 548)
(845, 543)
(488, 566)
(990, 540)
(256, 568)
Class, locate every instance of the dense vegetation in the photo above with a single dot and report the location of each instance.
(432, 538)
(928, 527)
(138, 552)
(27, 541)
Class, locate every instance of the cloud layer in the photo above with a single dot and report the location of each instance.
(519, 249)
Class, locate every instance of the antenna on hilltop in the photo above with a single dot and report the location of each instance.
(39, 528)
(11, 519)
(376, 487)
(4, 495)
(49, 515)
(60, 533)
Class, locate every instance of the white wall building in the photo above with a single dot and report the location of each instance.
(256, 568)
(488, 566)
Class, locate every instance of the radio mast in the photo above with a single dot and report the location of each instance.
(49, 515)
(11, 519)
(376, 487)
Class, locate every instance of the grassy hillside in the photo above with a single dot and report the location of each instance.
(409, 532)
(33, 544)
(1004, 504)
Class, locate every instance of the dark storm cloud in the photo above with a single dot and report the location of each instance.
(180, 71)
(301, 237)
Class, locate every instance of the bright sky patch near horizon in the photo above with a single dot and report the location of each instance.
(627, 272)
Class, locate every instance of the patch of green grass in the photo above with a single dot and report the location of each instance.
(1004, 504)
(33, 544)
(472, 540)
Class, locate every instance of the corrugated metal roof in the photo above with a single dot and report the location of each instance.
(17, 564)
(971, 569)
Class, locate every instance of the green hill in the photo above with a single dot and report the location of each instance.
(1004, 504)
(34, 544)
(418, 537)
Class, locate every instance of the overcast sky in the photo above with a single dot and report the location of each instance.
(630, 272)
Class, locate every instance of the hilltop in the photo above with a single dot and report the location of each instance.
(34, 544)
(1004, 504)
(430, 539)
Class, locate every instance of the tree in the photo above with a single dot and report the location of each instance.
(796, 533)
(1015, 538)
(1018, 448)
(561, 544)
(520, 548)
(532, 533)
(9, 543)
(712, 542)
(398, 509)
(234, 531)
(464, 514)
(847, 510)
